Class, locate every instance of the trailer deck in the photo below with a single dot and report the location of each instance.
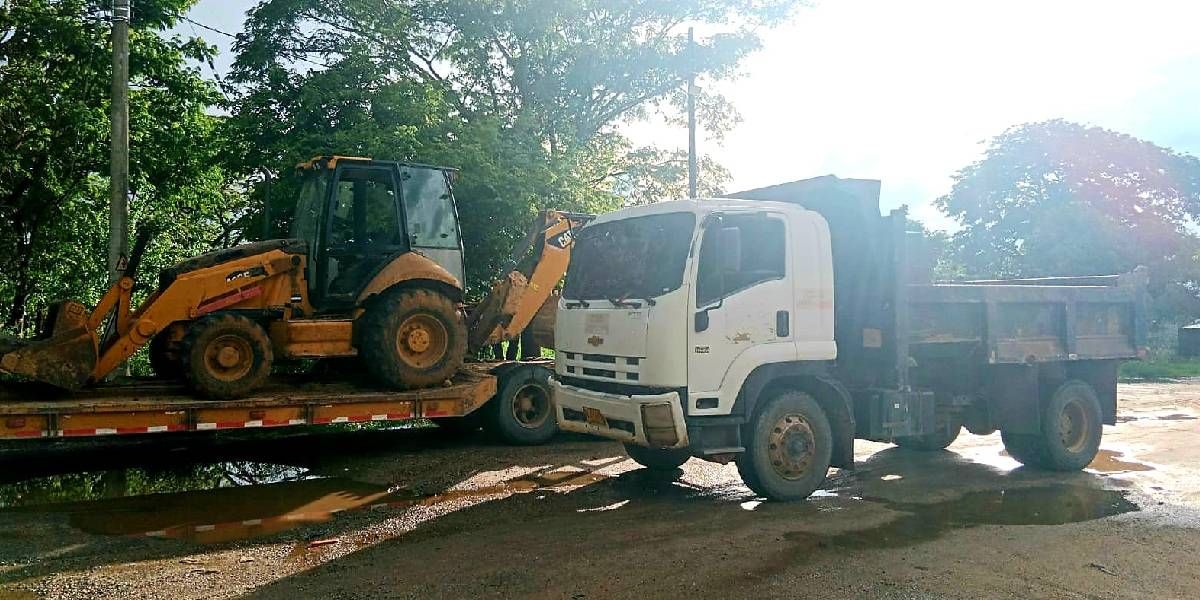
(148, 406)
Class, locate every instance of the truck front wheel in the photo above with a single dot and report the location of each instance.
(658, 459)
(789, 447)
(1070, 432)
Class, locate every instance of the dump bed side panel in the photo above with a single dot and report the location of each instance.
(1025, 322)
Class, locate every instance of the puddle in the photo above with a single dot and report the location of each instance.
(1176, 416)
(1113, 461)
(223, 502)
(1046, 505)
(87, 486)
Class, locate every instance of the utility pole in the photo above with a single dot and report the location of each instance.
(118, 210)
(693, 169)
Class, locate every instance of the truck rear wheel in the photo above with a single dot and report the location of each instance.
(412, 338)
(1070, 433)
(522, 412)
(789, 447)
(226, 356)
(658, 459)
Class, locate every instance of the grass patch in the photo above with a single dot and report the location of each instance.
(1159, 369)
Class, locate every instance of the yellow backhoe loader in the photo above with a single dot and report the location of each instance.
(372, 268)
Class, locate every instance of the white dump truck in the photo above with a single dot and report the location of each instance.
(775, 328)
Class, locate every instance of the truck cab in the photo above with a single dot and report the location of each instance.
(775, 328)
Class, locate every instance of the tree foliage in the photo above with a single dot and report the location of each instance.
(55, 73)
(523, 96)
(1059, 198)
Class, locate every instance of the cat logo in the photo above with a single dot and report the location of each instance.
(595, 340)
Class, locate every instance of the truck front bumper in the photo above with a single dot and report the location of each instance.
(655, 421)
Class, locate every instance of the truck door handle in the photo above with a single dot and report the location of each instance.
(782, 324)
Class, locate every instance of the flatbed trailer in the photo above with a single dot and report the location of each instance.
(151, 406)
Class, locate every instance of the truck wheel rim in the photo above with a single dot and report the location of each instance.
(421, 341)
(229, 357)
(1073, 425)
(791, 446)
(531, 406)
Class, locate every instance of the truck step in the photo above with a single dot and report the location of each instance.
(725, 450)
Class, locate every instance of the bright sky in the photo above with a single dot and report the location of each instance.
(905, 91)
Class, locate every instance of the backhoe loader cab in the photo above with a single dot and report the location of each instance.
(357, 214)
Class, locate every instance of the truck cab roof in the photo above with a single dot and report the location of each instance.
(700, 206)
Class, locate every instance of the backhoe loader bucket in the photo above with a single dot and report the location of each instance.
(65, 360)
(64, 356)
(487, 322)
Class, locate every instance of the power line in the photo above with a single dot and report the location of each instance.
(233, 36)
(203, 26)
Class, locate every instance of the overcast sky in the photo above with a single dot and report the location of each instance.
(905, 91)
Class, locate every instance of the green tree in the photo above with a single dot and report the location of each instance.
(1059, 198)
(55, 69)
(525, 97)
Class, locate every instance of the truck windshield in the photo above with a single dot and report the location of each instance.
(640, 257)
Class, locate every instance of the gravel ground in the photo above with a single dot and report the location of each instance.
(421, 514)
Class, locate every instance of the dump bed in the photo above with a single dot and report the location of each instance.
(148, 406)
(1029, 320)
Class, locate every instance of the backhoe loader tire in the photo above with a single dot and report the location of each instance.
(166, 362)
(412, 338)
(226, 356)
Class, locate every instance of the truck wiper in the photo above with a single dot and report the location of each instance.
(627, 302)
(576, 304)
(621, 303)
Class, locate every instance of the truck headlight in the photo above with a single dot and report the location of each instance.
(659, 425)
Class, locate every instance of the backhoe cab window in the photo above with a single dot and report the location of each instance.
(364, 210)
(763, 256)
(429, 209)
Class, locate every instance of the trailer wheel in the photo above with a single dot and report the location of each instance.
(522, 412)
(412, 338)
(790, 445)
(226, 356)
(658, 459)
(1070, 435)
(947, 431)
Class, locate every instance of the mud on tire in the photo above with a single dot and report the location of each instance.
(412, 338)
(226, 356)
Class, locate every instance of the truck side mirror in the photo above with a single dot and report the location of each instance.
(729, 240)
(701, 323)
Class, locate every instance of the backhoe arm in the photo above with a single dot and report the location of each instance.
(536, 267)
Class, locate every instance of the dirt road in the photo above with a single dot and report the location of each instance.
(420, 514)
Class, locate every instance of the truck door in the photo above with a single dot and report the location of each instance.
(742, 300)
(430, 217)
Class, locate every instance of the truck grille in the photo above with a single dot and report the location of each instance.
(600, 366)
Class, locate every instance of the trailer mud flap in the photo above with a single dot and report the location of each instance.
(1013, 398)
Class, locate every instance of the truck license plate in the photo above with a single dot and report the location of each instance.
(594, 417)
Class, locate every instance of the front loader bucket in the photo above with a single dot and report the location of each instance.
(65, 360)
